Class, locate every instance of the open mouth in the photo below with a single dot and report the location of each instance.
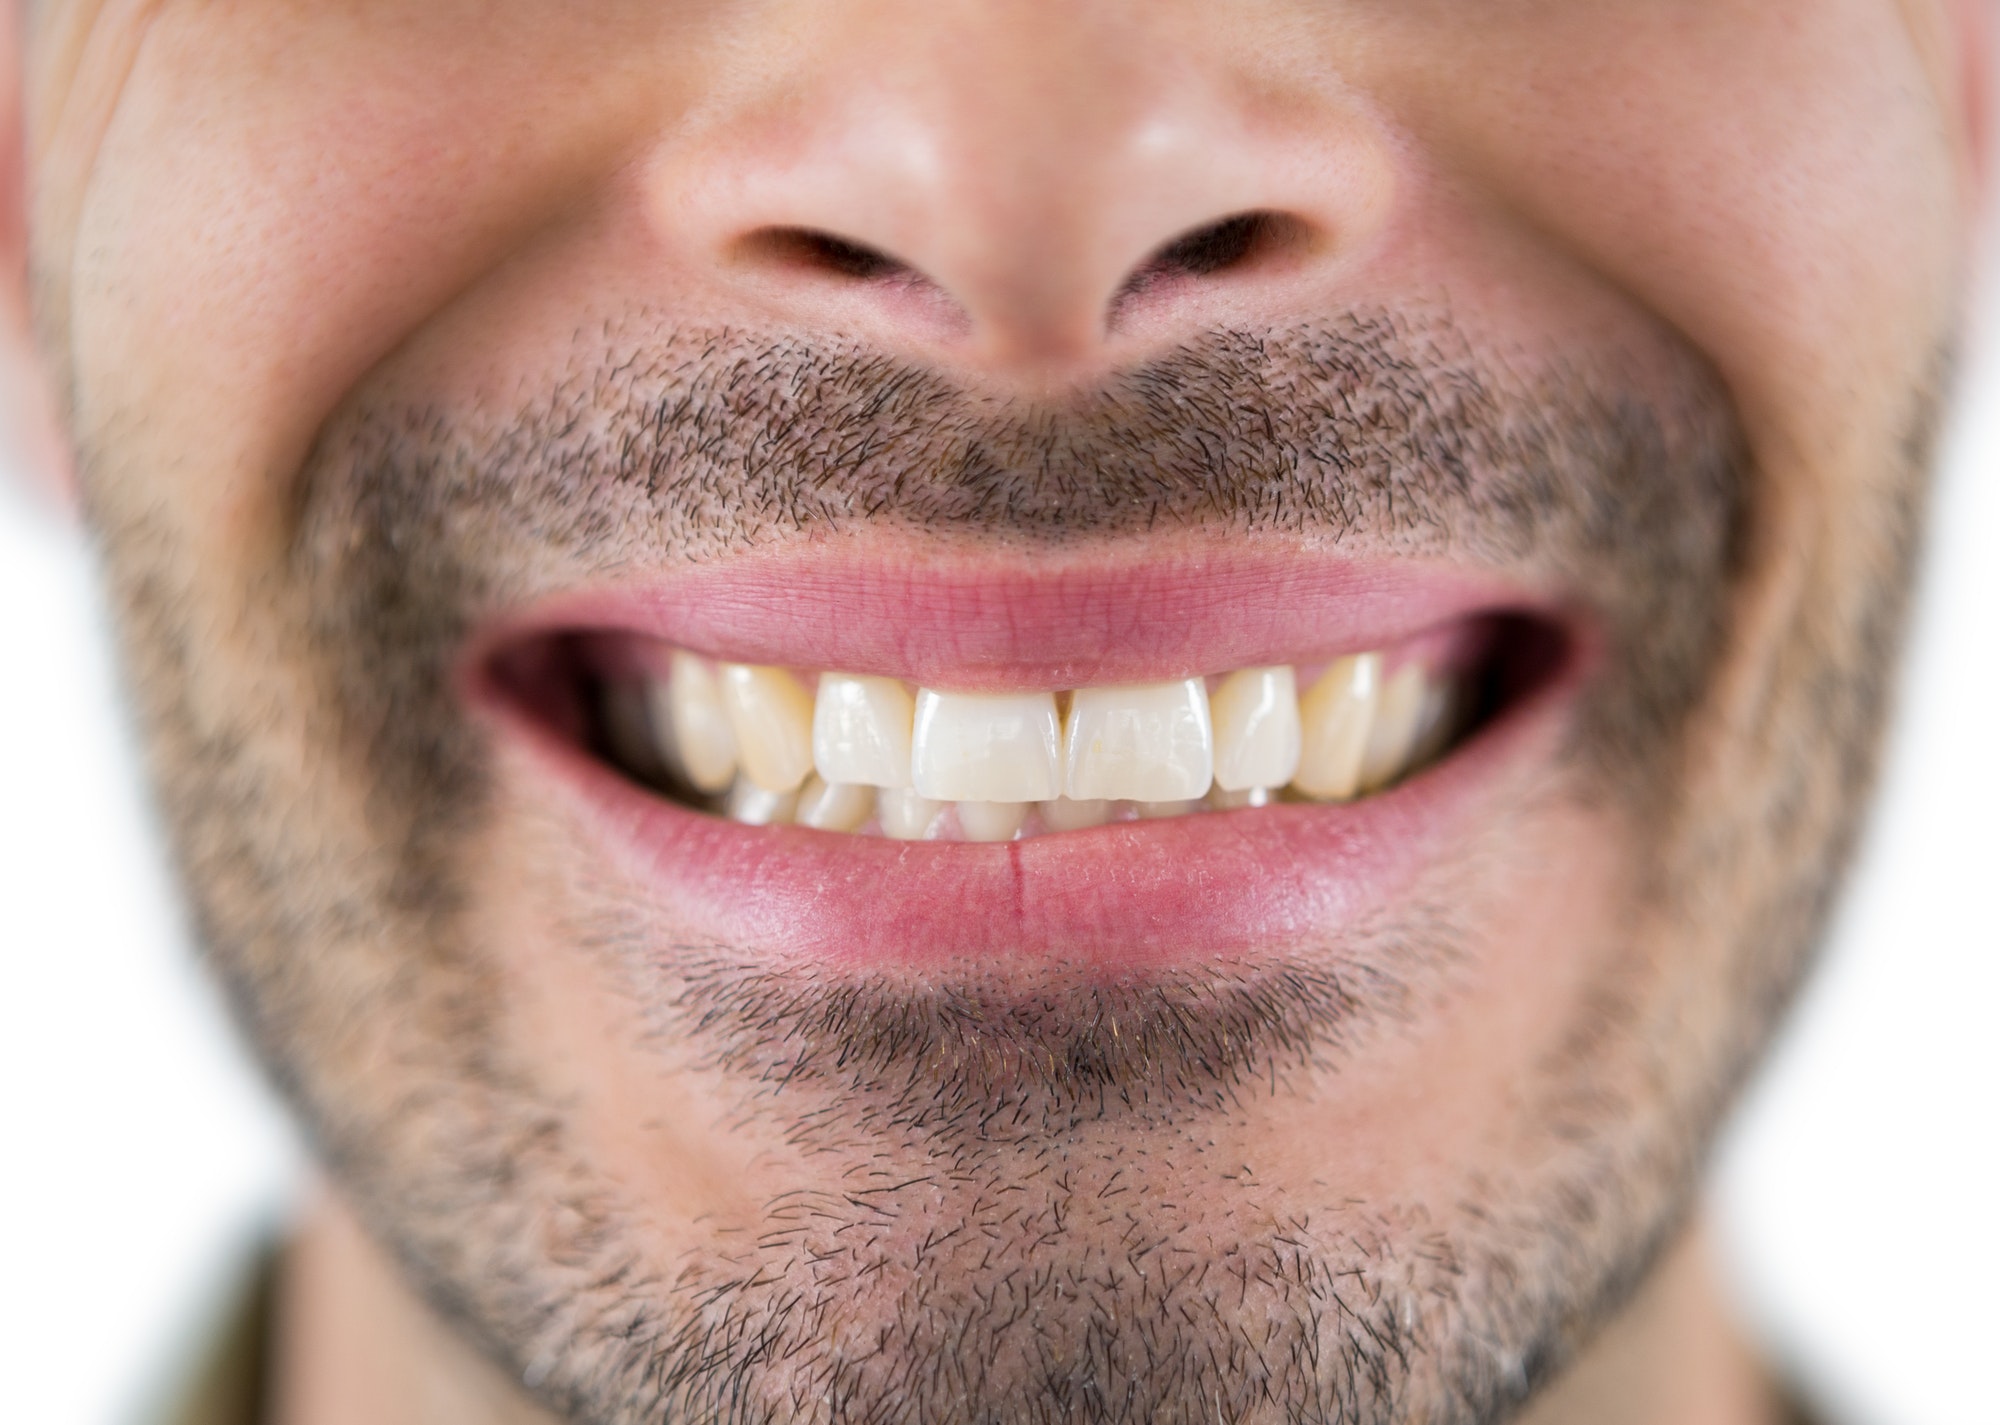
(876, 755)
(820, 760)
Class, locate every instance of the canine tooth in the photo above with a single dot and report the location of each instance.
(1393, 733)
(861, 730)
(1068, 814)
(1146, 742)
(772, 718)
(986, 747)
(1159, 811)
(1334, 716)
(690, 725)
(1257, 738)
(756, 806)
(628, 730)
(904, 815)
(991, 821)
(834, 806)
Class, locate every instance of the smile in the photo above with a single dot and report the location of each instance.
(1150, 799)
(872, 755)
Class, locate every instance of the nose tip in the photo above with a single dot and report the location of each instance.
(1032, 223)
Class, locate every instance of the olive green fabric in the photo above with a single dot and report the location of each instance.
(228, 1384)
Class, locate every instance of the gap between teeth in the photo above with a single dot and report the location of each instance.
(866, 754)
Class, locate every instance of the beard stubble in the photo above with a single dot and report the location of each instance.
(1003, 1273)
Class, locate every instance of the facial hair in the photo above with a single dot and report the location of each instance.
(1031, 1258)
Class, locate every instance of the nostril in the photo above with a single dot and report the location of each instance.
(810, 250)
(1234, 245)
(1211, 249)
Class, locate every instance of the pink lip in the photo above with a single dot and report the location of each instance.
(1034, 623)
(1118, 898)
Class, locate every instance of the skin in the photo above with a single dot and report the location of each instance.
(317, 287)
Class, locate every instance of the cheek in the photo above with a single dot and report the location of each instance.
(1776, 180)
(258, 233)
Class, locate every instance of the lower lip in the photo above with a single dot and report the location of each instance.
(1132, 897)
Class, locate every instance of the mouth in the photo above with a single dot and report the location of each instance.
(847, 759)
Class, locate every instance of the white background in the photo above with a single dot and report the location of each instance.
(1858, 1200)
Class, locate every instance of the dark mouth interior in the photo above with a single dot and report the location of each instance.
(558, 679)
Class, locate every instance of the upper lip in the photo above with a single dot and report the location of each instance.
(1029, 622)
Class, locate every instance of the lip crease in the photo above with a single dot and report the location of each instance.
(1116, 899)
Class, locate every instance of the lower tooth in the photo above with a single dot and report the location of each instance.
(1155, 811)
(1064, 814)
(991, 821)
(834, 806)
(1222, 800)
(904, 815)
(754, 806)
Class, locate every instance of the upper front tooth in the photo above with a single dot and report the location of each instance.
(1257, 740)
(986, 747)
(772, 717)
(1393, 733)
(692, 726)
(861, 730)
(1149, 743)
(1334, 716)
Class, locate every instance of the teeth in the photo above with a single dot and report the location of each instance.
(772, 718)
(1224, 800)
(861, 752)
(1064, 814)
(1435, 723)
(1393, 733)
(754, 806)
(1334, 716)
(1150, 742)
(691, 726)
(906, 816)
(834, 806)
(1257, 738)
(991, 821)
(861, 730)
(986, 747)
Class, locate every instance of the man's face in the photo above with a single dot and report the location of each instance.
(440, 371)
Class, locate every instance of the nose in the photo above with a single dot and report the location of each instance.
(1024, 186)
